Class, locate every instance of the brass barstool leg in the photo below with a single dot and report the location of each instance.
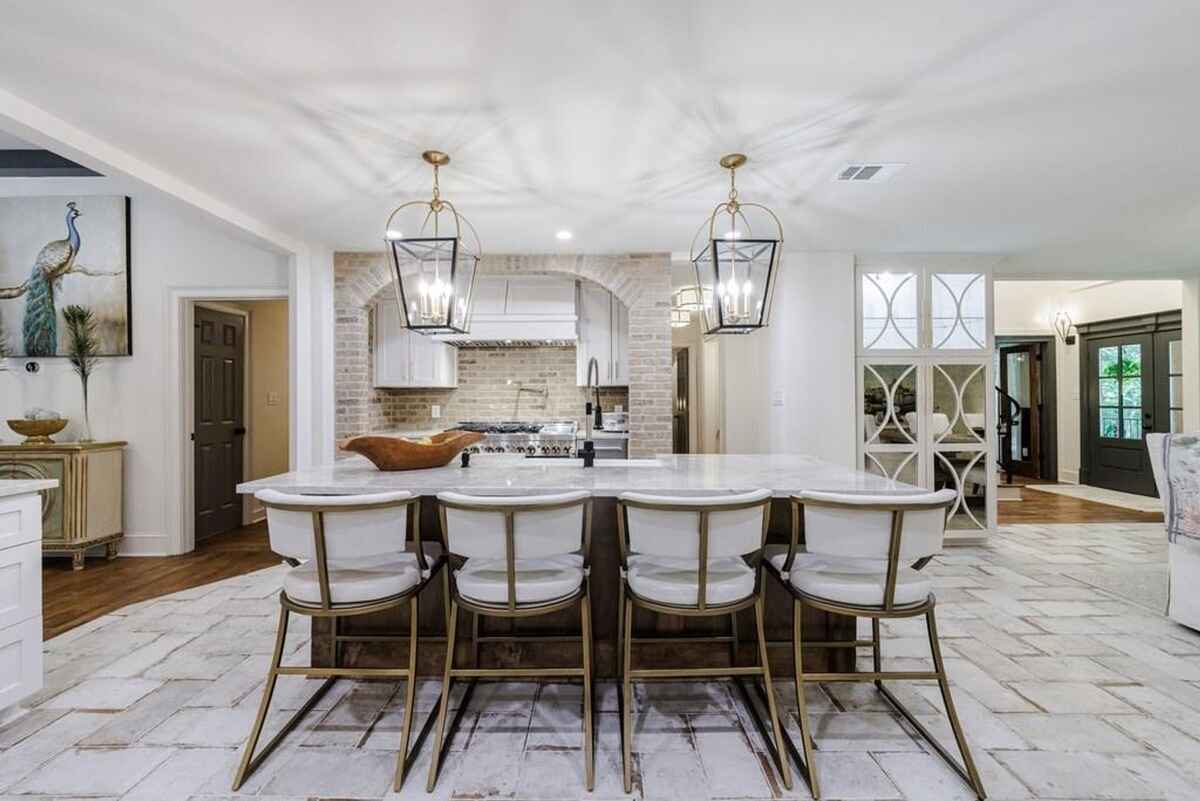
(265, 703)
(734, 642)
(585, 615)
(948, 702)
(627, 697)
(410, 693)
(876, 653)
(475, 639)
(801, 701)
(435, 759)
(784, 769)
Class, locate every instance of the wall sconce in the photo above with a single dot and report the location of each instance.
(1063, 326)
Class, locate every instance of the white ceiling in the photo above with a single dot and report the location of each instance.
(1063, 133)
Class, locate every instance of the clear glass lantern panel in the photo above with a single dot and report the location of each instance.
(895, 465)
(1175, 356)
(889, 311)
(965, 472)
(1176, 391)
(736, 284)
(958, 314)
(959, 404)
(889, 407)
(435, 281)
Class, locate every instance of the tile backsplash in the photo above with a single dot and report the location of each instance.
(495, 383)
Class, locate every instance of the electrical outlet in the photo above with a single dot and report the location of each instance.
(435, 411)
(777, 400)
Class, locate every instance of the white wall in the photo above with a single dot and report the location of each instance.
(790, 388)
(173, 246)
(1028, 308)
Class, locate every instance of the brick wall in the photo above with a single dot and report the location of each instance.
(641, 281)
(484, 391)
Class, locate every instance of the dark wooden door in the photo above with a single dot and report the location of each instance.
(1120, 411)
(1168, 381)
(680, 419)
(218, 424)
(1021, 381)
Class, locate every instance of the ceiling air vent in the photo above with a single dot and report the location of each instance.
(868, 172)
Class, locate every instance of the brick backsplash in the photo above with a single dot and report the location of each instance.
(488, 384)
(642, 281)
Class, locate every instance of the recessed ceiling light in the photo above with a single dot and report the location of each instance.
(394, 234)
(564, 235)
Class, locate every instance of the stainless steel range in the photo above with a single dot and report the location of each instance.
(547, 440)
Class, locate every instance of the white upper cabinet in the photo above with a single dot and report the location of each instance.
(603, 335)
(406, 359)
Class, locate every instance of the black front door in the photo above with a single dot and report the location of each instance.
(1120, 411)
(218, 423)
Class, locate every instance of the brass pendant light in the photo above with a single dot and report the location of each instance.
(435, 254)
(736, 263)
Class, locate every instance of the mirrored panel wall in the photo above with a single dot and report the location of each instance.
(925, 376)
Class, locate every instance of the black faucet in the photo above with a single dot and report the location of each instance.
(592, 413)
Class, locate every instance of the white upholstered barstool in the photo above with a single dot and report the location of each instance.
(862, 557)
(350, 556)
(697, 556)
(516, 557)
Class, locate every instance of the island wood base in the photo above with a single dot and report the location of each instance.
(818, 625)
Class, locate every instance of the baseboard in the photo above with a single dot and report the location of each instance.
(1068, 476)
(145, 544)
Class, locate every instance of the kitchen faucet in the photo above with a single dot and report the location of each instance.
(592, 414)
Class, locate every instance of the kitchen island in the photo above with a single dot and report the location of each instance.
(680, 474)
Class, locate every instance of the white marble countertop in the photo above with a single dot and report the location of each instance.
(23, 486)
(684, 474)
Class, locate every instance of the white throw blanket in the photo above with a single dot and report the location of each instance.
(1181, 458)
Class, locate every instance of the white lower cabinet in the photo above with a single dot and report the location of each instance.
(405, 359)
(20, 662)
(20, 597)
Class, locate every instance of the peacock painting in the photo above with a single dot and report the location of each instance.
(85, 262)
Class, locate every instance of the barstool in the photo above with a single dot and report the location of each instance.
(862, 556)
(349, 558)
(696, 557)
(515, 557)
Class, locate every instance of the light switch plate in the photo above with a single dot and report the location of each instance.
(272, 398)
(777, 399)
(435, 411)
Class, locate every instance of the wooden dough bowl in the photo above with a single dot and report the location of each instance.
(397, 453)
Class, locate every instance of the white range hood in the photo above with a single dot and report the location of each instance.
(520, 310)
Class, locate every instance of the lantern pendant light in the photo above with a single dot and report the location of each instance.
(735, 263)
(435, 253)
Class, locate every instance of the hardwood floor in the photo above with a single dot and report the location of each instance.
(73, 597)
(1047, 507)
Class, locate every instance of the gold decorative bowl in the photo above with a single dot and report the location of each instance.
(37, 432)
(397, 453)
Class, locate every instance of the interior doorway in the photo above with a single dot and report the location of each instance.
(239, 408)
(1026, 409)
(681, 411)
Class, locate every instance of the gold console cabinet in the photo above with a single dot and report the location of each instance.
(85, 509)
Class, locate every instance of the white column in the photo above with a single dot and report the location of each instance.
(1191, 354)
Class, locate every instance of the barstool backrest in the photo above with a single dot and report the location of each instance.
(541, 525)
(715, 526)
(352, 526)
(870, 526)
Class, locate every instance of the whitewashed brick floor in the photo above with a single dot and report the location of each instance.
(1066, 692)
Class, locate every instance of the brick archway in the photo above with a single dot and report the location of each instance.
(641, 281)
